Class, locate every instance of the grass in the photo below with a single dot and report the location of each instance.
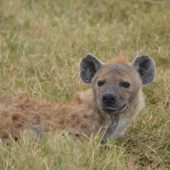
(41, 43)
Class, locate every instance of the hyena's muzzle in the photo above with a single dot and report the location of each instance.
(110, 101)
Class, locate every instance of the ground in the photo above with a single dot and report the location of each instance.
(41, 43)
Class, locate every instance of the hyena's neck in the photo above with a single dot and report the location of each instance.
(111, 123)
(120, 123)
(137, 105)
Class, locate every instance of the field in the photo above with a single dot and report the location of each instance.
(41, 43)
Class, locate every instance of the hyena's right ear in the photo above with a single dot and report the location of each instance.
(145, 66)
(89, 65)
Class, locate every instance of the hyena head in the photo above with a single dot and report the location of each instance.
(116, 86)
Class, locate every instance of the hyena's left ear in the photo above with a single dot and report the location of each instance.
(145, 66)
(89, 65)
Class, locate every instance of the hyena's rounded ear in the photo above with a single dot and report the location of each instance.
(145, 66)
(89, 65)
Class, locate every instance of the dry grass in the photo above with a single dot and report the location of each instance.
(41, 43)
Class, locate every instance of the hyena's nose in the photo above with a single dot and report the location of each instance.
(109, 99)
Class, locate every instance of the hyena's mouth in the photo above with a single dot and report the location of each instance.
(110, 109)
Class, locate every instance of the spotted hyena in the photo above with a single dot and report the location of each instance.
(107, 109)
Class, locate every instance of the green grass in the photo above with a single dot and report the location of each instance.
(41, 43)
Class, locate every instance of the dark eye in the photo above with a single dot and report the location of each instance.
(100, 83)
(125, 84)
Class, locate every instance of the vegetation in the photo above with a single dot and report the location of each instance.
(41, 43)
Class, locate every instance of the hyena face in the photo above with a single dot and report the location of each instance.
(115, 86)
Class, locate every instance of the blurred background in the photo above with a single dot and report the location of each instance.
(42, 42)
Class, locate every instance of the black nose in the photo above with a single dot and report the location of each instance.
(109, 99)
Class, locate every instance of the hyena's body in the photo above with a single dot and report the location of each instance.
(108, 108)
(20, 114)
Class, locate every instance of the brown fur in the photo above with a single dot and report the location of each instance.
(81, 118)
(18, 114)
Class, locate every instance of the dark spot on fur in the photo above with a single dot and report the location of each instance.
(82, 126)
(15, 138)
(77, 135)
(61, 122)
(15, 117)
(85, 116)
(73, 116)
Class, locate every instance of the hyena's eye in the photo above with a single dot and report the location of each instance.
(100, 83)
(125, 84)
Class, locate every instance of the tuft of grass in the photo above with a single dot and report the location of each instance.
(61, 152)
(41, 43)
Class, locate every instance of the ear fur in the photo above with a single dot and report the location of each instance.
(89, 65)
(145, 66)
